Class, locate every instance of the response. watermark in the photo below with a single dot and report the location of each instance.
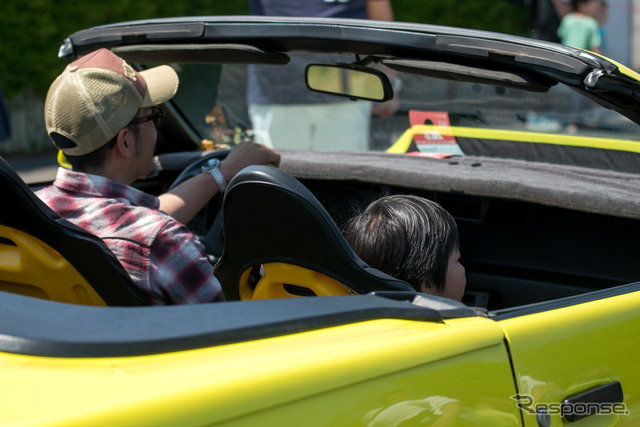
(569, 410)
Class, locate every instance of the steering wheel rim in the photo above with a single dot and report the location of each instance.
(195, 167)
(213, 239)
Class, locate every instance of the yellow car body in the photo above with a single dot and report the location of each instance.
(389, 371)
(548, 233)
(370, 373)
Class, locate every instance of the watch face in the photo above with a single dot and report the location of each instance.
(210, 164)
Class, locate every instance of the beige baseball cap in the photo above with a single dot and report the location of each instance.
(98, 95)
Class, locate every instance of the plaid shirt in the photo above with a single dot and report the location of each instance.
(160, 254)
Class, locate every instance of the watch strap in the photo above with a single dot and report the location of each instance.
(213, 169)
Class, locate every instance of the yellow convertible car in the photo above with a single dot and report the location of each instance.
(533, 147)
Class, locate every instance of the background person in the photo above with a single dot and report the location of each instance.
(580, 28)
(280, 103)
(412, 239)
(101, 113)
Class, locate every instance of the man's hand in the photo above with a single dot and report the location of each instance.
(245, 154)
(186, 200)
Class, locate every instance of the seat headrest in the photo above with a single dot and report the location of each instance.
(269, 216)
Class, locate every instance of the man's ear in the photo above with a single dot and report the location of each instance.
(124, 143)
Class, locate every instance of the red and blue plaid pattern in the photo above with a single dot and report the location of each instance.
(160, 254)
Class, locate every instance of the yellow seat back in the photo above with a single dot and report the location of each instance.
(32, 268)
(45, 256)
(282, 280)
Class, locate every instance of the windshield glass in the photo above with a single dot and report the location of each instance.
(429, 116)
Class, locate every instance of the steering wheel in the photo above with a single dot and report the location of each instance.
(211, 238)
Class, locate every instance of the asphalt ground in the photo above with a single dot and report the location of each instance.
(35, 169)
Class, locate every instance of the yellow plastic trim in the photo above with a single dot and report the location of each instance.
(626, 70)
(277, 274)
(403, 143)
(32, 268)
(62, 160)
(622, 68)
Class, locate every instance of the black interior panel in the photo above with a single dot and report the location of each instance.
(517, 253)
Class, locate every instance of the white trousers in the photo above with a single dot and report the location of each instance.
(336, 126)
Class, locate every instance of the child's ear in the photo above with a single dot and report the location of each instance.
(426, 287)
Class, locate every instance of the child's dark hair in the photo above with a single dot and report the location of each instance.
(407, 237)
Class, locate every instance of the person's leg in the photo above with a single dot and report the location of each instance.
(287, 126)
(342, 126)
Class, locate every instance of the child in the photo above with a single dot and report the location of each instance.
(580, 28)
(413, 239)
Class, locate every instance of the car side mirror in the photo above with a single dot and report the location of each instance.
(349, 80)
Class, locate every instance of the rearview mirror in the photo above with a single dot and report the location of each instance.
(349, 80)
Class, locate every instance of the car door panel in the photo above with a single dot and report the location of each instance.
(376, 373)
(577, 354)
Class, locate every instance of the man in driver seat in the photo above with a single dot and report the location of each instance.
(102, 115)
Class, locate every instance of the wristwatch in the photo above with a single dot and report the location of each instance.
(212, 167)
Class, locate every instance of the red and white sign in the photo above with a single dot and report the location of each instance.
(433, 141)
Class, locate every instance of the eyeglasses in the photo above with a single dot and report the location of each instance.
(156, 115)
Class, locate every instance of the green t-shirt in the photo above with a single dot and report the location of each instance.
(581, 31)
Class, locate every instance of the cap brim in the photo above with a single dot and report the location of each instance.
(162, 85)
